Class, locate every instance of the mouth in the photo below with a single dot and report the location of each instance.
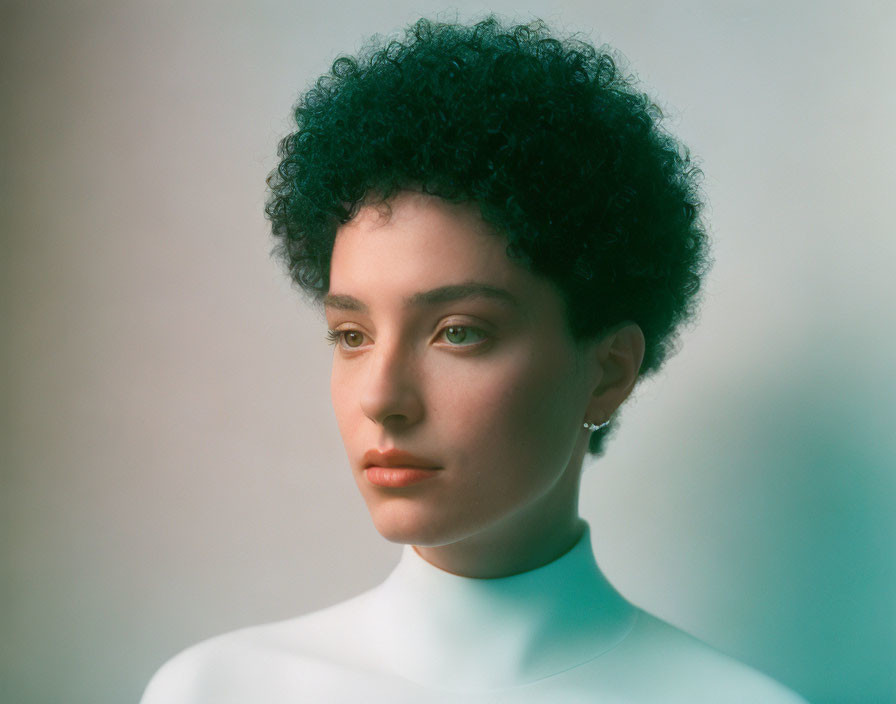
(396, 458)
(398, 477)
(395, 468)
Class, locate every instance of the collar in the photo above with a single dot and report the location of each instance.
(442, 630)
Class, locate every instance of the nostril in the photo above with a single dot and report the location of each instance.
(391, 401)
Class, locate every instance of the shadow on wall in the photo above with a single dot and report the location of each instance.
(821, 450)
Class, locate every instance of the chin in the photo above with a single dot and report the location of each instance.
(398, 521)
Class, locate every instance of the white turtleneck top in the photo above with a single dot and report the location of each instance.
(559, 633)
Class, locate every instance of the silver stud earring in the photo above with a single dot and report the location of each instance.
(592, 426)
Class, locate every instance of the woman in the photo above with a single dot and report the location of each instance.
(504, 242)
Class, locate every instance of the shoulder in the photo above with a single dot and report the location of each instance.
(181, 678)
(261, 662)
(674, 666)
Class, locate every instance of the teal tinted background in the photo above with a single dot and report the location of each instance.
(171, 468)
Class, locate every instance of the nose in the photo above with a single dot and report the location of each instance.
(391, 394)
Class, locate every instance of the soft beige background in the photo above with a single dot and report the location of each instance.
(171, 467)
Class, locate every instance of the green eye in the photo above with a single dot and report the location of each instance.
(460, 334)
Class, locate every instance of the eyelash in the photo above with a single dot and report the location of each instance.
(336, 337)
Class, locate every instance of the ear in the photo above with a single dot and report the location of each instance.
(617, 357)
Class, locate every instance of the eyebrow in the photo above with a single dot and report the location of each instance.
(436, 296)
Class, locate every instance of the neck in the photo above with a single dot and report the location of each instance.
(439, 629)
(497, 557)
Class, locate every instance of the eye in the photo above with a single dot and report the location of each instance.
(462, 335)
(350, 339)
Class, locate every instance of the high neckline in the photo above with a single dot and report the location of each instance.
(445, 630)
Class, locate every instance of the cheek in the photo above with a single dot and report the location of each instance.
(517, 410)
(341, 396)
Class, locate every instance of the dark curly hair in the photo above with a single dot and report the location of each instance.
(563, 156)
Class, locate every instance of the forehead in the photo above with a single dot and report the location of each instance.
(417, 239)
(424, 225)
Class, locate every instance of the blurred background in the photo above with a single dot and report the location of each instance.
(171, 465)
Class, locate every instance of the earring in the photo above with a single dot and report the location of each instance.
(592, 426)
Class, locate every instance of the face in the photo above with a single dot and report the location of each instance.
(448, 351)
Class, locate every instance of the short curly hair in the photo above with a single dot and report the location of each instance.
(562, 154)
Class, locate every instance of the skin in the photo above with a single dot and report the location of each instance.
(498, 402)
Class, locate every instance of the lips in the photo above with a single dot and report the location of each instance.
(396, 458)
(396, 469)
